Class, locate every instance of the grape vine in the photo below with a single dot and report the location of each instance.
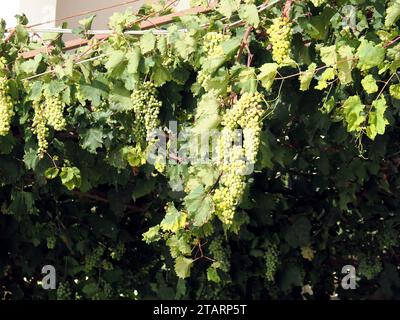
(296, 106)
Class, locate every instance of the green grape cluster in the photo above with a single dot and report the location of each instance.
(47, 114)
(93, 259)
(6, 107)
(280, 33)
(54, 112)
(168, 60)
(118, 252)
(203, 78)
(3, 62)
(39, 127)
(64, 291)
(271, 257)
(232, 184)
(146, 107)
(247, 114)
(234, 160)
(212, 44)
(221, 253)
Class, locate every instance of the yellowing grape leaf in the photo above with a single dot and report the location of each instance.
(182, 267)
(267, 74)
(392, 13)
(369, 84)
(395, 91)
(174, 220)
(376, 118)
(306, 77)
(307, 253)
(369, 55)
(353, 110)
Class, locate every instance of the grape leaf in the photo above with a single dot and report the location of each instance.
(392, 13)
(200, 205)
(249, 13)
(369, 55)
(306, 77)
(182, 267)
(227, 7)
(116, 57)
(174, 220)
(395, 91)
(147, 42)
(376, 118)
(267, 74)
(353, 110)
(92, 139)
(133, 57)
(369, 84)
(345, 64)
(207, 113)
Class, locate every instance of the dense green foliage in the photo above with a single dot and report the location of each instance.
(316, 82)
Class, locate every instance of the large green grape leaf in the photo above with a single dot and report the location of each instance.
(116, 57)
(174, 220)
(354, 113)
(306, 77)
(147, 42)
(392, 13)
(207, 114)
(249, 13)
(376, 118)
(395, 91)
(369, 55)
(151, 235)
(92, 139)
(267, 74)
(345, 64)
(369, 84)
(227, 7)
(133, 56)
(179, 245)
(182, 266)
(329, 55)
(200, 205)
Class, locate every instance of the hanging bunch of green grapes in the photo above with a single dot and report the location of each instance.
(280, 33)
(39, 127)
(233, 159)
(247, 114)
(6, 107)
(271, 257)
(212, 44)
(232, 184)
(203, 78)
(54, 112)
(213, 49)
(93, 259)
(64, 291)
(146, 107)
(49, 113)
(220, 252)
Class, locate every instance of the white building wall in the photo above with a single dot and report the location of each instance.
(39, 11)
